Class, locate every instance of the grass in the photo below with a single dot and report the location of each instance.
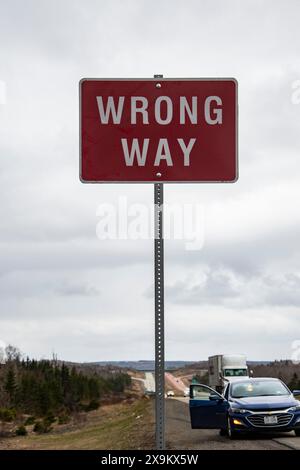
(120, 426)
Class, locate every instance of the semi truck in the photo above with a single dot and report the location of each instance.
(225, 368)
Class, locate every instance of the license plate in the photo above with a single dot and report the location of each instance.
(270, 420)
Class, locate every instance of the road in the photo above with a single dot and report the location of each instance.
(179, 434)
(149, 382)
(174, 383)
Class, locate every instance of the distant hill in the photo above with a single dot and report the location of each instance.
(148, 365)
(143, 365)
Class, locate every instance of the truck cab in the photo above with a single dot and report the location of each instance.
(225, 368)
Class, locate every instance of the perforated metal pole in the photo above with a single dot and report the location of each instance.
(159, 316)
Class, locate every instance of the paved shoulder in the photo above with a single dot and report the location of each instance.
(180, 435)
(291, 442)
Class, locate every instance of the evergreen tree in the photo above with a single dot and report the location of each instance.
(10, 385)
(294, 383)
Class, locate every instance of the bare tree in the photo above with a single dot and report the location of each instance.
(12, 353)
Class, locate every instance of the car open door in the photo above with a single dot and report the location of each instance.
(208, 408)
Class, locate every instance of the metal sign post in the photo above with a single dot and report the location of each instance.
(159, 316)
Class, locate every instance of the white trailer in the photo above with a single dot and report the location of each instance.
(224, 368)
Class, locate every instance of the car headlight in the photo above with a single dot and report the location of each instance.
(295, 408)
(238, 410)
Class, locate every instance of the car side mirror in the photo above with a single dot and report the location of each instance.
(296, 393)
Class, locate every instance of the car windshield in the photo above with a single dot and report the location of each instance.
(235, 372)
(258, 388)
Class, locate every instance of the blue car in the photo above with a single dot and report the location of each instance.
(259, 405)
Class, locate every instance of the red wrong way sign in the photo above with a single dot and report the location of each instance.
(158, 130)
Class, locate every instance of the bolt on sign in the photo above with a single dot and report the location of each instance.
(158, 130)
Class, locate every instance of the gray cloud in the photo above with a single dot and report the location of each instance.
(237, 292)
(215, 288)
(77, 289)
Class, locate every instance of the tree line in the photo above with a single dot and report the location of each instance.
(43, 387)
(285, 370)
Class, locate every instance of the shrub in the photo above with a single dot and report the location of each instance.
(93, 405)
(21, 431)
(7, 414)
(41, 427)
(49, 419)
(38, 427)
(29, 421)
(64, 419)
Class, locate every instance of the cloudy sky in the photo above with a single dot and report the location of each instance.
(64, 290)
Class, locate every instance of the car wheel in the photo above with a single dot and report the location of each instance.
(297, 432)
(230, 432)
(223, 432)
